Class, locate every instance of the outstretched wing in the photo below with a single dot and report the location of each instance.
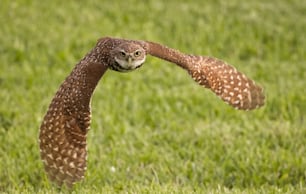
(226, 82)
(63, 145)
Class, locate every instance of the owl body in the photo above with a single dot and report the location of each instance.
(64, 128)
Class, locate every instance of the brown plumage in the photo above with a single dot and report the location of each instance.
(63, 130)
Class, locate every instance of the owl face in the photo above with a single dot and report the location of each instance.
(127, 57)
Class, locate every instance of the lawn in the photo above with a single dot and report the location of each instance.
(154, 130)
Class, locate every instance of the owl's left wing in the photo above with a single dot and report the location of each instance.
(225, 81)
(230, 85)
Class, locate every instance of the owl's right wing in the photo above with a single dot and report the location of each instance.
(62, 142)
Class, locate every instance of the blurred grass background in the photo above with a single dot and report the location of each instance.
(155, 130)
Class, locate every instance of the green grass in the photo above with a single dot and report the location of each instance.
(154, 130)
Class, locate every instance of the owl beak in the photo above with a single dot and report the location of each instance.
(130, 60)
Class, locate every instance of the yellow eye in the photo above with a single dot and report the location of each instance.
(122, 53)
(137, 53)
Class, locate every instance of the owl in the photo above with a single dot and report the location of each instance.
(63, 131)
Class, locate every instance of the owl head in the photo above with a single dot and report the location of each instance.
(127, 57)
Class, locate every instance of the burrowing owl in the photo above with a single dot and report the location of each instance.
(63, 130)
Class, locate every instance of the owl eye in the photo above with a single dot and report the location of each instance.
(137, 53)
(122, 53)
